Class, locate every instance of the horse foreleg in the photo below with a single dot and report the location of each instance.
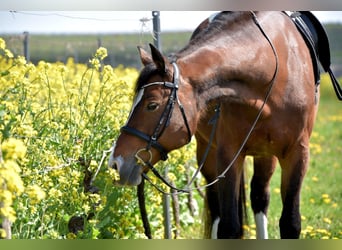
(231, 201)
(212, 210)
(212, 214)
(260, 194)
(294, 167)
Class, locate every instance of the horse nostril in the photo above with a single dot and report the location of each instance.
(116, 163)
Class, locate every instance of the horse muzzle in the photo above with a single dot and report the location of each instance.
(128, 169)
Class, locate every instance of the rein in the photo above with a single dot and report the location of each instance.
(165, 119)
(268, 93)
(187, 188)
(152, 141)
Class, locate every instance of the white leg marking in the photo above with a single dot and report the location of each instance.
(261, 225)
(214, 228)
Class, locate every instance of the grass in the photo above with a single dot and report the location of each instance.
(321, 195)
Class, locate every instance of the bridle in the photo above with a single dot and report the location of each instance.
(164, 122)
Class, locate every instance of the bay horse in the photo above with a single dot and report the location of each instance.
(250, 75)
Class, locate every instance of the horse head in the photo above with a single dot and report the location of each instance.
(161, 118)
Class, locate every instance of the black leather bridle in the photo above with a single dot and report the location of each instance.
(164, 121)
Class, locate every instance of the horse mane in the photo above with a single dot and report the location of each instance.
(200, 38)
(203, 35)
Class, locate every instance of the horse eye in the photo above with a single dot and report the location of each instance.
(152, 106)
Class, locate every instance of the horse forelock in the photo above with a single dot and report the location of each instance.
(147, 73)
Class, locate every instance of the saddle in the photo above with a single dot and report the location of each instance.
(317, 41)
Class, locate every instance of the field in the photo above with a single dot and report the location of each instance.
(122, 48)
(57, 124)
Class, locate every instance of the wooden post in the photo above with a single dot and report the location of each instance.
(166, 198)
(26, 46)
(156, 29)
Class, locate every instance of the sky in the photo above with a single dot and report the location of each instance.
(112, 21)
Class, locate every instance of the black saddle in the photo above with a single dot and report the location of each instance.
(317, 41)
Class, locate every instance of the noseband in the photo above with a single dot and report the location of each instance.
(164, 121)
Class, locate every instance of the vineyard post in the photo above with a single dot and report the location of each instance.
(26, 46)
(166, 197)
(156, 29)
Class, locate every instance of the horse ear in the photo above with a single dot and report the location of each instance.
(158, 58)
(145, 57)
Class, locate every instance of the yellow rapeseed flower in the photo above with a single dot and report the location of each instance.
(172, 177)
(314, 179)
(95, 63)
(35, 193)
(326, 198)
(62, 68)
(86, 133)
(327, 201)
(101, 53)
(327, 220)
(55, 193)
(315, 148)
(13, 149)
(2, 44)
(2, 231)
(335, 118)
(309, 228)
(246, 228)
(20, 61)
(9, 175)
(323, 231)
(8, 53)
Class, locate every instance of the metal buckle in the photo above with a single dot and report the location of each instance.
(140, 159)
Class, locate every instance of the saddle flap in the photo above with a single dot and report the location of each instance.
(317, 40)
(322, 43)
